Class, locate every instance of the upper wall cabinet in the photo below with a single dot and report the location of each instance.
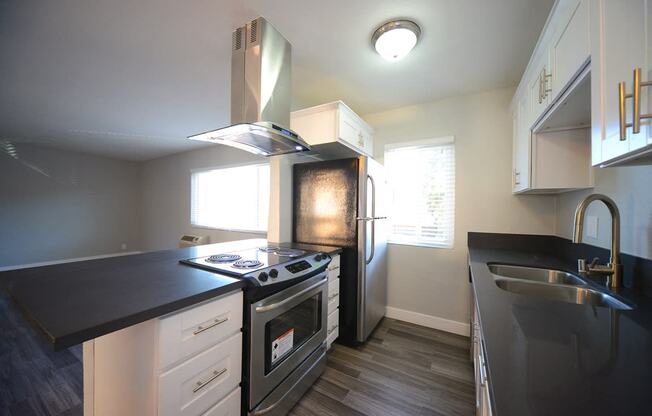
(553, 153)
(621, 42)
(333, 123)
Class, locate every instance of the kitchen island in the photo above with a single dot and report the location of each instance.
(159, 337)
(548, 357)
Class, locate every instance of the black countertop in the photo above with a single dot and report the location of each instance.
(75, 302)
(554, 358)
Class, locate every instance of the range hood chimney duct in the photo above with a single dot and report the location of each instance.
(260, 94)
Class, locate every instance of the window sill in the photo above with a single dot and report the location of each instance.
(424, 245)
(233, 230)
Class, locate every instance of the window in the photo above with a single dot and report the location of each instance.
(421, 177)
(234, 198)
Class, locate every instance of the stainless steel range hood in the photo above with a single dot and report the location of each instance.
(260, 94)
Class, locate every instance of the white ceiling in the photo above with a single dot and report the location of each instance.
(132, 78)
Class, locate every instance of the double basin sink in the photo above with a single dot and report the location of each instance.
(554, 285)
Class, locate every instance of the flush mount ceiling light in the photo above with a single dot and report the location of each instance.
(395, 39)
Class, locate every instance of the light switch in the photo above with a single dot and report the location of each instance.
(591, 226)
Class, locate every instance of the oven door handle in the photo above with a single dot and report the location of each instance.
(276, 305)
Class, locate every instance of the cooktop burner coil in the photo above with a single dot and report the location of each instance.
(247, 264)
(223, 258)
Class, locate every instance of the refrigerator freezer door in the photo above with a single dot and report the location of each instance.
(372, 247)
(326, 202)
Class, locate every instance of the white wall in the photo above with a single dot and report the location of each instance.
(166, 195)
(630, 188)
(56, 204)
(434, 281)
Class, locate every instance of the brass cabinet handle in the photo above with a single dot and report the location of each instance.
(215, 323)
(636, 102)
(540, 89)
(546, 78)
(201, 384)
(636, 105)
(622, 123)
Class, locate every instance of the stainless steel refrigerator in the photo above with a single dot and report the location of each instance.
(342, 203)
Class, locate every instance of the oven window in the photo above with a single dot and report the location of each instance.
(287, 332)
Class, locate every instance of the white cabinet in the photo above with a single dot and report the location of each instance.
(521, 147)
(186, 363)
(191, 388)
(539, 91)
(570, 47)
(183, 334)
(332, 330)
(554, 156)
(333, 123)
(621, 42)
(483, 399)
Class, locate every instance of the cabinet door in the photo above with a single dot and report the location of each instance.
(368, 141)
(570, 48)
(539, 99)
(521, 173)
(618, 46)
(350, 131)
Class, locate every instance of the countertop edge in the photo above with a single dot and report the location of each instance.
(63, 342)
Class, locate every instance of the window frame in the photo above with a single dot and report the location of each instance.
(220, 167)
(439, 141)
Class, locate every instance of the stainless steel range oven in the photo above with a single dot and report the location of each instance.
(287, 346)
(286, 311)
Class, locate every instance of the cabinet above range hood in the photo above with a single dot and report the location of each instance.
(260, 94)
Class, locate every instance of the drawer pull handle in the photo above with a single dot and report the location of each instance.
(201, 384)
(330, 331)
(215, 323)
(636, 105)
(333, 296)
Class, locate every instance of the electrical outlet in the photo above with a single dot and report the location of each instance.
(123, 246)
(591, 226)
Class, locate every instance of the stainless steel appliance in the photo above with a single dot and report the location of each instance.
(260, 94)
(286, 310)
(342, 203)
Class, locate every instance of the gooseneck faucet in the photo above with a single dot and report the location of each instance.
(614, 270)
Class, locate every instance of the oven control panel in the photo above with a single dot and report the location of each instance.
(298, 267)
(293, 270)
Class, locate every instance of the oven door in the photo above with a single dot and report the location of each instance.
(286, 328)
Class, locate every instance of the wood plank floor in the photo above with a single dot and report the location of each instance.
(404, 369)
(34, 380)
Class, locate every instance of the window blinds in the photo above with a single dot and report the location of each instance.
(421, 177)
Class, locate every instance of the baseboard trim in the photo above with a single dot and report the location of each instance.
(72, 260)
(435, 322)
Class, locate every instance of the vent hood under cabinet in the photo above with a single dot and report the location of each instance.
(260, 94)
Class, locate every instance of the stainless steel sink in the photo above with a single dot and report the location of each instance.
(581, 295)
(536, 274)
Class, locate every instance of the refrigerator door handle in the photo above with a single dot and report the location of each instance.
(373, 216)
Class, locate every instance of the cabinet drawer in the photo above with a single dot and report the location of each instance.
(193, 387)
(229, 406)
(333, 288)
(186, 333)
(332, 337)
(333, 304)
(333, 320)
(333, 274)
